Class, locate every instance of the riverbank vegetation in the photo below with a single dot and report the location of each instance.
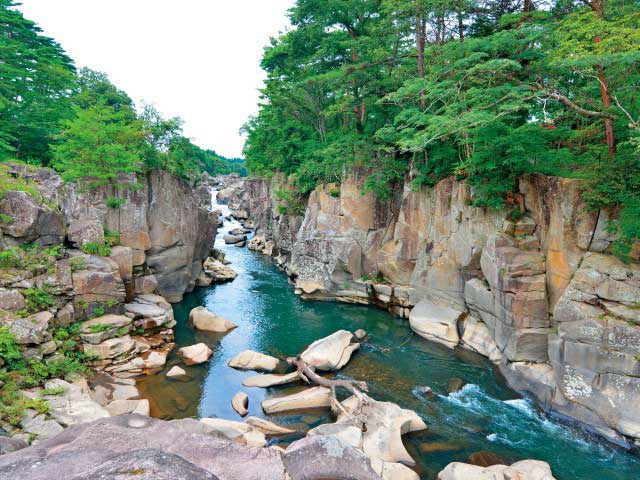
(484, 90)
(80, 123)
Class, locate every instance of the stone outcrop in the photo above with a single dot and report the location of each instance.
(250, 360)
(534, 287)
(524, 470)
(202, 319)
(332, 352)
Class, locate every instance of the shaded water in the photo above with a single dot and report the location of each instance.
(484, 415)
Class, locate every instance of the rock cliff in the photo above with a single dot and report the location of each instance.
(64, 291)
(533, 287)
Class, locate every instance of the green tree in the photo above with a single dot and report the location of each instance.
(98, 146)
(36, 79)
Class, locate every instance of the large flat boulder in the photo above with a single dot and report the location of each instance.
(315, 397)
(523, 470)
(332, 352)
(250, 360)
(82, 449)
(436, 323)
(270, 380)
(326, 457)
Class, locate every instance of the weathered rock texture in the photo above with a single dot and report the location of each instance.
(535, 288)
(165, 226)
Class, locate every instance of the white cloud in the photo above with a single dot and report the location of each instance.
(198, 59)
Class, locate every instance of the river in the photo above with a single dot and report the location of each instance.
(484, 415)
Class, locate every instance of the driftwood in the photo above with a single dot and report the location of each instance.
(357, 388)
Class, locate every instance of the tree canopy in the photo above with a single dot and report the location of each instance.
(486, 90)
(78, 121)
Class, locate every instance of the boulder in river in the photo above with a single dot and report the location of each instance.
(524, 470)
(218, 271)
(240, 403)
(436, 323)
(207, 321)
(315, 397)
(455, 385)
(194, 354)
(386, 423)
(270, 380)
(250, 360)
(332, 352)
(233, 239)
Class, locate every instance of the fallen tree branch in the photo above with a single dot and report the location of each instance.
(356, 387)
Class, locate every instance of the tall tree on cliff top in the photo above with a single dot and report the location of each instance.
(36, 80)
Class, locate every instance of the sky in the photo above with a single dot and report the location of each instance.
(196, 59)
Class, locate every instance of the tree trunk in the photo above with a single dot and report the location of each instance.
(460, 22)
(598, 8)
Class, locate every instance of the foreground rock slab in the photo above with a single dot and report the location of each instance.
(327, 457)
(316, 397)
(250, 360)
(524, 470)
(270, 429)
(436, 323)
(81, 449)
(238, 432)
(332, 352)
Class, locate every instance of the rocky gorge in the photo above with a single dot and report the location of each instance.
(100, 426)
(534, 288)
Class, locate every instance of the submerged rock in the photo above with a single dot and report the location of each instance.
(484, 458)
(250, 360)
(332, 352)
(177, 373)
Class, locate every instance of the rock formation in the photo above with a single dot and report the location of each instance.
(533, 288)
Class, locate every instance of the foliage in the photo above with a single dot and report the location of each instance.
(94, 248)
(483, 91)
(38, 299)
(18, 373)
(112, 239)
(36, 77)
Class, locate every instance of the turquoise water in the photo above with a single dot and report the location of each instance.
(484, 415)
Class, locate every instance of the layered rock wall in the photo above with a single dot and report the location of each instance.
(535, 288)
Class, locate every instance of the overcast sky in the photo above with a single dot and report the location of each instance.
(198, 59)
